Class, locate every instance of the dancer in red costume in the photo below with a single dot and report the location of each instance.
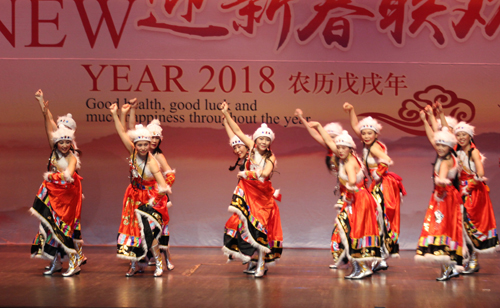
(442, 240)
(234, 245)
(333, 129)
(59, 200)
(253, 199)
(386, 187)
(357, 237)
(144, 203)
(479, 218)
(156, 139)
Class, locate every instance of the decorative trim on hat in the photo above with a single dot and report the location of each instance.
(445, 137)
(140, 133)
(333, 129)
(155, 128)
(263, 131)
(345, 139)
(63, 133)
(464, 127)
(369, 123)
(67, 121)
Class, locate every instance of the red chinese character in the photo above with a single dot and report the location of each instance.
(393, 14)
(373, 82)
(350, 81)
(396, 83)
(471, 16)
(187, 28)
(248, 12)
(286, 18)
(491, 28)
(320, 81)
(250, 16)
(422, 13)
(299, 83)
(340, 13)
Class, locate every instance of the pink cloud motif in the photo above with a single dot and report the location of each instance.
(409, 119)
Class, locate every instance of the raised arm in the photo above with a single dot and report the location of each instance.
(442, 116)
(324, 135)
(314, 133)
(123, 118)
(432, 119)
(229, 131)
(235, 128)
(48, 125)
(121, 131)
(45, 108)
(353, 118)
(133, 107)
(428, 130)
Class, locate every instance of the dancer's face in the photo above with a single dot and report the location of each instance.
(143, 147)
(343, 151)
(368, 136)
(155, 141)
(263, 143)
(64, 146)
(240, 150)
(463, 138)
(442, 150)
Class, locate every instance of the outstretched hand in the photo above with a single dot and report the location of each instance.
(133, 103)
(438, 107)
(113, 109)
(224, 107)
(347, 107)
(125, 108)
(39, 95)
(298, 113)
(422, 115)
(428, 110)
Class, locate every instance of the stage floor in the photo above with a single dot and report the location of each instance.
(202, 278)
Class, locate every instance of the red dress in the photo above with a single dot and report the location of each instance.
(140, 223)
(387, 189)
(357, 234)
(254, 203)
(479, 218)
(58, 205)
(441, 239)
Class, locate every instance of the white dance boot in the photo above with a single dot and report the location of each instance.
(73, 269)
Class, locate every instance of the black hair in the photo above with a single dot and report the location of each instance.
(157, 149)
(237, 164)
(55, 152)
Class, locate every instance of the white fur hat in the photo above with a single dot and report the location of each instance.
(63, 133)
(155, 128)
(333, 129)
(464, 127)
(452, 122)
(67, 121)
(444, 136)
(369, 123)
(140, 133)
(345, 139)
(236, 140)
(263, 131)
